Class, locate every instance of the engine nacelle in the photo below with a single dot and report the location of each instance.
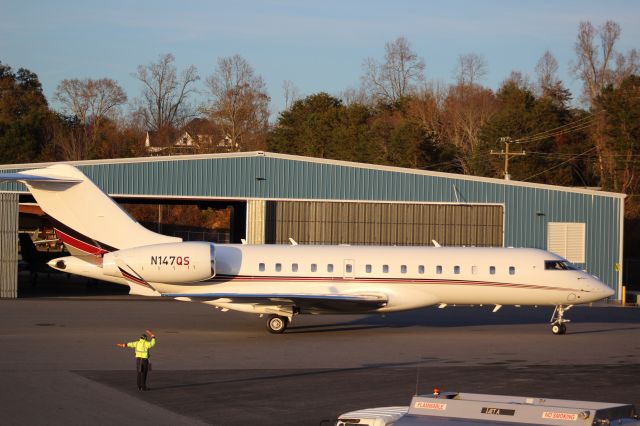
(164, 263)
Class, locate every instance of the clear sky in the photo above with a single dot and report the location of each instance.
(318, 45)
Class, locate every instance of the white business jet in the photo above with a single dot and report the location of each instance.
(284, 280)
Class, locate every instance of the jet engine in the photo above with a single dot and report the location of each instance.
(165, 263)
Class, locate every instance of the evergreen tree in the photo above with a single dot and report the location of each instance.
(24, 116)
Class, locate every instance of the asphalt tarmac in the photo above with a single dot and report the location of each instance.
(59, 363)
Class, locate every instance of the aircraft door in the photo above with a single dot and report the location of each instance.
(348, 269)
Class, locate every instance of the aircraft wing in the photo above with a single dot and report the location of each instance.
(311, 303)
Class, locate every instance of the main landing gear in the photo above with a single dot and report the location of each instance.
(557, 319)
(277, 324)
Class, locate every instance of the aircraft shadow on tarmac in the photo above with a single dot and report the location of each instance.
(479, 316)
(254, 376)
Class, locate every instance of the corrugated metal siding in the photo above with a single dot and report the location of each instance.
(9, 246)
(359, 223)
(527, 209)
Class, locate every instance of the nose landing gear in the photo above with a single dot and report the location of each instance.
(558, 321)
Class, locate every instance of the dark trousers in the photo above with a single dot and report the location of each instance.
(142, 367)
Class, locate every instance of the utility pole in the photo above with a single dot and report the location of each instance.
(507, 140)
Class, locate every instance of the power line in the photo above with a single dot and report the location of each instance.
(560, 164)
(573, 123)
(571, 129)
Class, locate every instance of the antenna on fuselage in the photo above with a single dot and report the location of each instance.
(435, 243)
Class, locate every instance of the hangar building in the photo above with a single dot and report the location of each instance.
(275, 197)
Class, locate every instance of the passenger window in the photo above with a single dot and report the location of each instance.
(261, 267)
(278, 267)
(456, 269)
(492, 270)
(421, 269)
(474, 270)
(294, 267)
(439, 269)
(512, 270)
(403, 269)
(330, 267)
(367, 269)
(349, 268)
(385, 269)
(314, 267)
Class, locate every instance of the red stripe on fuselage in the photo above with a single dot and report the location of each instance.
(385, 281)
(79, 245)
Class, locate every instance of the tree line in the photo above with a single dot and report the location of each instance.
(395, 116)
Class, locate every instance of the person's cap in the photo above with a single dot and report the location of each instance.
(144, 336)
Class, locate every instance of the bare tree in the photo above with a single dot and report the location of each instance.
(465, 111)
(598, 64)
(291, 93)
(352, 96)
(425, 108)
(547, 71)
(397, 76)
(90, 102)
(471, 68)
(165, 95)
(239, 103)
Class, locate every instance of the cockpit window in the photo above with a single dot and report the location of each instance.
(558, 265)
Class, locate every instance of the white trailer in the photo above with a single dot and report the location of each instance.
(453, 409)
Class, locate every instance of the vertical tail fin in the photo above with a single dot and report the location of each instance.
(86, 219)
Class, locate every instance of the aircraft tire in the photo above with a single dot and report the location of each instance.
(277, 324)
(558, 329)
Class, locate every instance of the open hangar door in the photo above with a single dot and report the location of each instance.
(375, 223)
(193, 220)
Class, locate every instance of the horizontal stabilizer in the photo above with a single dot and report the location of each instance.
(85, 218)
(24, 177)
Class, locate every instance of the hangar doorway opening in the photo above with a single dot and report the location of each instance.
(218, 221)
(192, 220)
(358, 223)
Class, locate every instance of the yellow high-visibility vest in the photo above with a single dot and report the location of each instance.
(142, 347)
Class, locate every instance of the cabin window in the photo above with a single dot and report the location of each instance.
(492, 270)
(421, 269)
(278, 267)
(385, 269)
(439, 269)
(330, 267)
(294, 267)
(456, 269)
(512, 270)
(368, 269)
(314, 267)
(349, 268)
(403, 269)
(474, 270)
(261, 267)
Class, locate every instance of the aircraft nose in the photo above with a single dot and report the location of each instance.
(602, 289)
(607, 291)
